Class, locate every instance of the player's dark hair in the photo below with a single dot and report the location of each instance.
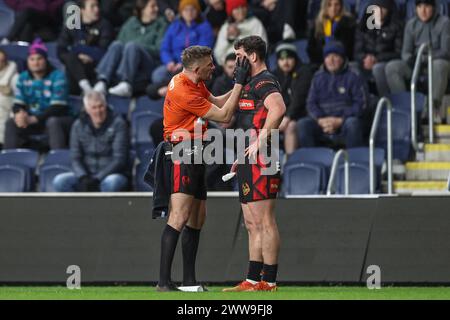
(252, 44)
(191, 55)
(230, 57)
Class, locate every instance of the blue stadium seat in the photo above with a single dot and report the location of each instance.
(302, 179)
(139, 184)
(6, 20)
(402, 101)
(144, 103)
(13, 178)
(302, 52)
(362, 155)
(75, 104)
(140, 124)
(120, 105)
(17, 53)
(25, 158)
(359, 181)
(48, 173)
(401, 134)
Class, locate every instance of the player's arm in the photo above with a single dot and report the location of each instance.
(225, 113)
(220, 100)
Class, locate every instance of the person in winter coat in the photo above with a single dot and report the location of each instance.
(295, 80)
(375, 47)
(99, 150)
(187, 30)
(132, 57)
(336, 101)
(239, 25)
(81, 49)
(332, 23)
(35, 18)
(427, 27)
(8, 79)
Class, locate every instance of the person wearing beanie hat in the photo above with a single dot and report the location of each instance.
(335, 104)
(40, 104)
(375, 47)
(238, 26)
(428, 26)
(295, 80)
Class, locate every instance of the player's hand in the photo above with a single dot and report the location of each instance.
(252, 151)
(241, 71)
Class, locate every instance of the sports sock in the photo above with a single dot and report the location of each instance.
(254, 271)
(169, 241)
(270, 273)
(189, 242)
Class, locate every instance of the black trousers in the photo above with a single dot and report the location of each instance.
(30, 23)
(77, 71)
(57, 129)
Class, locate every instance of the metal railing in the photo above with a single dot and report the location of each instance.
(334, 169)
(415, 76)
(384, 102)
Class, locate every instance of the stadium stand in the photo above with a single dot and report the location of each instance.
(56, 162)
(6, 19)
(20, 163)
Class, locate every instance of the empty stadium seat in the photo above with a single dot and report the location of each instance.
(302, 179)
(75, 104)
(13, 178)
(401, 134)
(120, 105)
(25, 158)
(140, 124)
(359, 181)
(16, 53)
(144, 103)
(402, 100)
(302, 52)
(6, 20)
(140, 169)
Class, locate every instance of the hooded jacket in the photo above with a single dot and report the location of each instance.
(340, 94)
(99, 152)
(436, 31)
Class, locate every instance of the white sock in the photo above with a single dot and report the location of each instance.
(272, 284)
(251, 281)
(85, 85)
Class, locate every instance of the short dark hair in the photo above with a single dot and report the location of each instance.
(252, 44)
(139, 7)
(82, 3)
(192, 54)
(230, 57)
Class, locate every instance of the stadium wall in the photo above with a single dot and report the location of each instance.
(113, 239)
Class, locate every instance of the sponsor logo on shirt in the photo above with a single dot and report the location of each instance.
(274, 184)
(245, 189)
(245, 104)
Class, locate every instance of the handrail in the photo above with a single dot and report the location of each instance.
(334, 171)
(383, 102)
(415, 76)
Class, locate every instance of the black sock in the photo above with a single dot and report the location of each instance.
(270, 273)
(189, 243)
(169, 241)
(254, 270)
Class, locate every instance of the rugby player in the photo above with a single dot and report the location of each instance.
(261, 109)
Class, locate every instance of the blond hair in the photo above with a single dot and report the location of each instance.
(323, 15)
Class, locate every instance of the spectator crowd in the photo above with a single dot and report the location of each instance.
(131, 48)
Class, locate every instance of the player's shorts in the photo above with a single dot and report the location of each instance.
(254, 186)
(189, 178)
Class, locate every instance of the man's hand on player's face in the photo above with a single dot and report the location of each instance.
(241, 71)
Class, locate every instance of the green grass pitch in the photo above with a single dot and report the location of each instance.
(284, 293)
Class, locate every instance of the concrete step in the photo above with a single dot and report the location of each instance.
(425, 171)
(408, 187)
(438, 152)
(441, 131)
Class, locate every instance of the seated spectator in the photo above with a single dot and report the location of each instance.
(134, 55)
(428, 27)
(99, 150)
(335, 104)
(169, 8)
(332, 23)
(81, 50)
(188, 30)
(215, 14)
(239, 25)
(225, 82)
(8, 79)
(374, 48)
(295, 80)
(40, 104)
(35, 18)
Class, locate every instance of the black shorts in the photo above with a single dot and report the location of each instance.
(189, 179)
(254, 186)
